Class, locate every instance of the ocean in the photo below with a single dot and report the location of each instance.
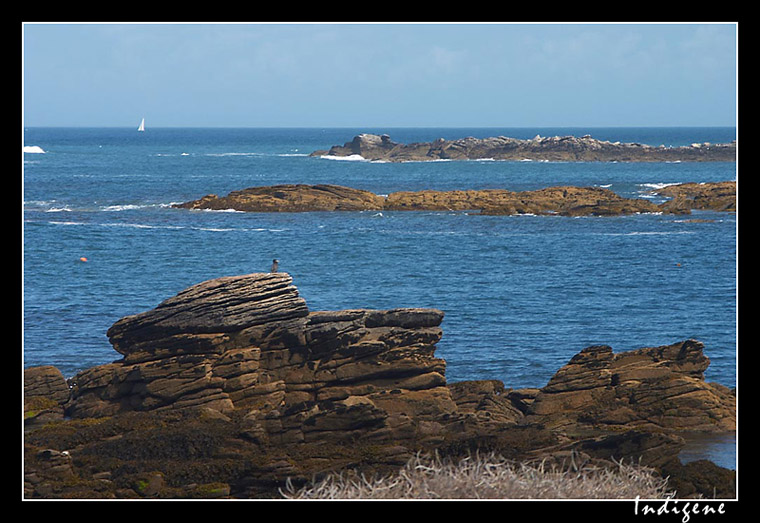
(521, 294)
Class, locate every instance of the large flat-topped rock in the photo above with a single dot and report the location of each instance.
(220, 305)
(291, 198)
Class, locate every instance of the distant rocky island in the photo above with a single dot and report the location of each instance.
(555, 149)
(562, 200)
(233, 387)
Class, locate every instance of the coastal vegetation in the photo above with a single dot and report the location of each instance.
(491, 476)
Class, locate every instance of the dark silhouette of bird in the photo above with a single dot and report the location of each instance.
(275, 263)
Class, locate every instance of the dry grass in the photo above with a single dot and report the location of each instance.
(491, 477)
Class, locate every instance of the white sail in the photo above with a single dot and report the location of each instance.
(142, 125)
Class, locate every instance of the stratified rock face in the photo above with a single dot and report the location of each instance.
(556, 148)
(249, 342)
(660, 389)
(216, 306)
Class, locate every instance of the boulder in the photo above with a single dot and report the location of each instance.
(45, 394)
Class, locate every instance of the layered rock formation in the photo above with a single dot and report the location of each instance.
(233, 385)
(566, 201)
(557, 148)
(658, 389)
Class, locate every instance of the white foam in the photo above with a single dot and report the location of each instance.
(234, 154)
(136, 226)
(349, 158)
(116, 208)
(217, 210)
(657, 185)
(67, 223)
(644, 233)
(33, 149)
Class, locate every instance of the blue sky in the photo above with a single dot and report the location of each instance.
(373, 75)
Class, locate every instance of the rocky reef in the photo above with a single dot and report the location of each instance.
(556, 148)
(291, 198)
(233, 386)
(564, 200)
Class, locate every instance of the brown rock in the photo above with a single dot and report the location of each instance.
(658, 389)
(276, 392)
(216, 306)
(45, 393)
(719, 196)
(564, 200)
(291, 198)
(249, 342)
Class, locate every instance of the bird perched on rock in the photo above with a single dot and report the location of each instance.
(275, 263)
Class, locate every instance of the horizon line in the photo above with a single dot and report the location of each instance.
(563, 126)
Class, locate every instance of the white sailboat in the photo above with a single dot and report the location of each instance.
(142, 125)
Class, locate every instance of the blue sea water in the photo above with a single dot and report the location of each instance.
(522, 294)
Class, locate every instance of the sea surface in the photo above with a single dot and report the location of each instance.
(521, 294)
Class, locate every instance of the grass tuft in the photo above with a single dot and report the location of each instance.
(490, 477)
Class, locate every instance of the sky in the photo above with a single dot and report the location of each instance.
(379, 75)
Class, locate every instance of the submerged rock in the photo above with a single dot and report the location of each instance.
(233, 386)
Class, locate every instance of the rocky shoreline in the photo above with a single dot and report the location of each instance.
(374, 147)
(563, 200)
(234, 386)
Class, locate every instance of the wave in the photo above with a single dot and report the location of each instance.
(126, 207)
(644, 233)
(33, 149)
(54, 206)
(657, 185)
(233, 154)
(161, 227)
(67, 223)
(349, 158)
